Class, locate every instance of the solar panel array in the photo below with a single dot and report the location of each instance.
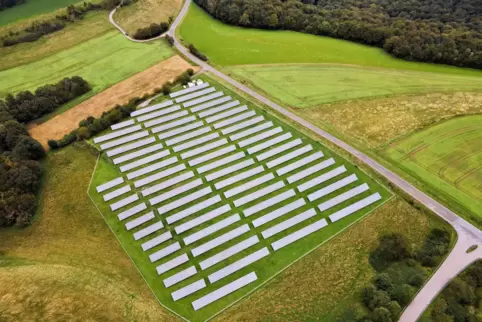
(209, 171)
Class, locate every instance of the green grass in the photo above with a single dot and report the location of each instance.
(265, 268)
(102, 61)
(228, 45)
(312, 85)
(32, 8)
(447, 158)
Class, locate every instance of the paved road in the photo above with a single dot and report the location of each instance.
(468, 235)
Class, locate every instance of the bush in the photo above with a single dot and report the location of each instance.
(170, 40)
(395, 309)
(435, 247)
(53, 144)
(403, 294)
(373, 298)
(152, 31)
(166, 89)
(417, 280)
(383, 282)
(28, 148)
(381, 314)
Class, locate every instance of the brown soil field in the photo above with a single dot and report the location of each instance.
(138, 85)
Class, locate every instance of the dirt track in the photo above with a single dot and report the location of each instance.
(138, 85)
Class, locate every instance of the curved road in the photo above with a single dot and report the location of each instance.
(468, 235)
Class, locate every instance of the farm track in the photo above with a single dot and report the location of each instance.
(467, 234)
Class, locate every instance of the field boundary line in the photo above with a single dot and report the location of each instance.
(110, 228)
(264, 284)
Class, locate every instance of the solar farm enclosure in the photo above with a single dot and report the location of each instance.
(211, 196)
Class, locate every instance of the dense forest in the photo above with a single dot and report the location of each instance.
(20, 169)
(401, 271)
(438, 31)
(5, 4)
(27, 106)
(460, 300)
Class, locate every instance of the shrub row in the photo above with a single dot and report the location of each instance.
(5, 4)
(91, 125)
(197, 53)
(41, 28)
(27, 106)
(152, 31)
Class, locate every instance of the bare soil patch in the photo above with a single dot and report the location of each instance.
(138, 85)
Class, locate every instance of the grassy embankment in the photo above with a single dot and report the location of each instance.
(142, 13)
(348, 71)
(32, 8)
(264, 268)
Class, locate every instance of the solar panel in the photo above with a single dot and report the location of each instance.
(124, 202)
(343, 197)
(278, 150)
(218, 109)
(159, 175)
(260, 137)
(321, 178)
(235, 119)
(166, 251)
(192, 210)
(110, 184)
(297, 235)
(251, 131)
(248, 185)
(179, 277)
(155, 114)
(184, 200)
(122, 125)
(173, 263)
(202, 219)
(242, 125)
(148, 230)
(243, 175)
(175, 192)
(299, 163)
(117, 134)
(210, 104)
(223, 115)
(213, 243)
(223, 291)
(355, 207)
(195, 142)
(166, 184)
(289, 156)
(150, 168)
(171, 125)
(238, 265)
(165, 119)
(221, 162)
(212, 155)
(139, 221)
(204, 148)
(211, 229)
(188, 290)
(156, 241)
(269, 202)
(190, 135)
(117, 193)
(282, 226)
(195, 94)
(189, 90)
(311, 170)
(332, 187)
(228, 170)
(259, 193)
(139, 153)
(151, 108)
(269, 143)
(132, 211)
(132, 146)
(278, 213)
(231, 251)
(180, 130)
(203, 99)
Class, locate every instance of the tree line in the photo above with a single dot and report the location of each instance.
(152, 31)
(92, 126)
(27, 106)
(437, 31)
(5, 4)
(41, 28)
(401, 271)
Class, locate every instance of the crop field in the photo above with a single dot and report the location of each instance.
(221, 196)
(447, 157)
(142, 13)
(312, 85)
(228, 45)
(102, 61)
(32, 8)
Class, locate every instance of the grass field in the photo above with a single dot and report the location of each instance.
(48, 270)
(142, 13)
(312, 85)
(67, 266)
(266, 267)
(228, 45)
(103, 61)
(94, 24)
(447, 157)
(32, 8)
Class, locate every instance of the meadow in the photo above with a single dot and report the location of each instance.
(111, 58)
(311, 85)
(227, 45)
(142, 13)
(265, 268)
(32, 8)
(446, 157)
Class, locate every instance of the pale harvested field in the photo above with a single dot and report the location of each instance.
(138, 85)
(376, 122)
(145, 12)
